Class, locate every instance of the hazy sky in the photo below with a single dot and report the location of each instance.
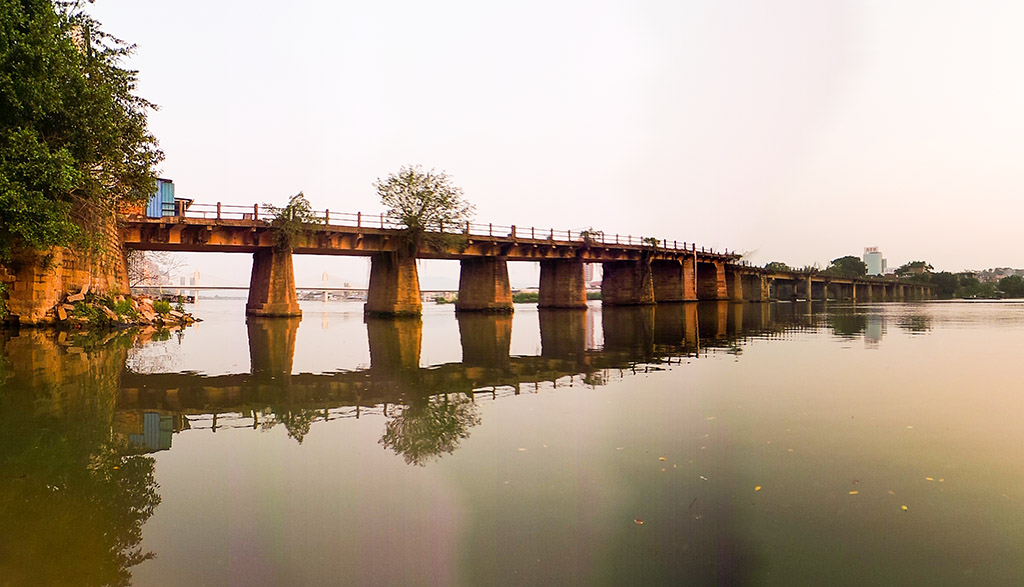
(799, 131)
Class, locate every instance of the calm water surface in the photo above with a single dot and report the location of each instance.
(715, 444)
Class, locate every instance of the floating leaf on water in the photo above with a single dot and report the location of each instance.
(789, 449)
(903, 507)
(710, 418)
(757, 488)
(854, 492)
(891, 492)
(638, 521)
(661, 458)
(522, 450)
(116, 467)
(929, 479)
(703, 477)
(942, 479)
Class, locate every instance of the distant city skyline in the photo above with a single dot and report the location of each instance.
(790, 130)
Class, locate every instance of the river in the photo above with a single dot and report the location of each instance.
(735, 444)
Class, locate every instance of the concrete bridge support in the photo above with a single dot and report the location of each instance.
(272, 284)
(734, 286)
(394, 286)
(819, 290)
(561, 284)
(711, 281)
(754, 288)
(673, 281)
(627, 283)
(483, 286)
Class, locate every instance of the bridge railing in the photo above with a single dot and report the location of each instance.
(219, 211)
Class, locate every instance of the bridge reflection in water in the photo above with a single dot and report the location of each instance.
(74, 416)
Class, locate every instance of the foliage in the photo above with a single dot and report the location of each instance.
(593, 295)
(848, 266)
(73, 134)
(525, 297)
(161, 306)
(589, 235)
(971, 287)
(291, 220)
(777, 266)
(945, 283)
(424, 430)
(650, 241)
(426, 204)
(913, 268)
(1012, 286)
(4, 312)
(124, 308)
(442, 300)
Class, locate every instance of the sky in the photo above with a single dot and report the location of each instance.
(790, 130)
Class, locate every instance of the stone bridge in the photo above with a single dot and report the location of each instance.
(636, 271)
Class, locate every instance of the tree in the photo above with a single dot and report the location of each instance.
(848, 266)
(73, 134)
(291, 220)
(777, 266)
(1012, 286)
(426, 204)
(945, 283)
(152, 267)
(913, 268)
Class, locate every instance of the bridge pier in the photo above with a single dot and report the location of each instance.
(483, 286)
(272, 284)
(627, 283)
(562, 284)
(673, 281)
(711, 281)
(394, 286)
(734, 286)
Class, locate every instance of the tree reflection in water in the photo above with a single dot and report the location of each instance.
(429, 427)
(73, 498)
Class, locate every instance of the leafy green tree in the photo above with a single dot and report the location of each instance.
(291, 220)
(73, 135)
(945, 283)
(913, 268)
(777, 266)
(426, 203)
(1012, 286)
(848, 266)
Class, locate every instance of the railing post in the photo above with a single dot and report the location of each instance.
(490, 229)
(532, 234)
(382, 220)
(467, 227)
(551, 236)
(359, 219)
(513, 231)
(616, 238)
(218, 210)
(255, 211)
(327, 216)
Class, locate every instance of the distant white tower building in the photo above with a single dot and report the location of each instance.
(873, 259)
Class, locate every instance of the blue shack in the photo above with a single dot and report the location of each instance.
(163, 202)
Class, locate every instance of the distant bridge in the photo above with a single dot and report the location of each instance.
(636, 270)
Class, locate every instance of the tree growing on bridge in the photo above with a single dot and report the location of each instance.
(74, 141)
(777, 266)
(848, 266)
(291, 220)
(427, 204)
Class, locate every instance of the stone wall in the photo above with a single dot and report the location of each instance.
(37, 280)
